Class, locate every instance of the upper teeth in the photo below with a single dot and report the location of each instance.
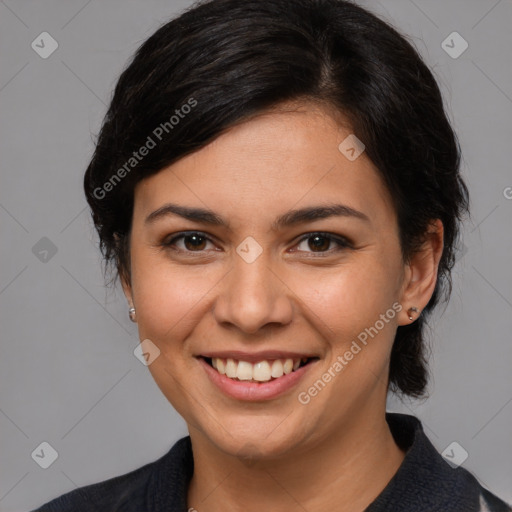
(262, 371)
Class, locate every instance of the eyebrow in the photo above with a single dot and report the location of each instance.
(291, 218)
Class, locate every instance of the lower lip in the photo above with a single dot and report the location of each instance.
(255, 391)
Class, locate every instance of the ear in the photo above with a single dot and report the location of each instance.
(421, 273)
(127, 288)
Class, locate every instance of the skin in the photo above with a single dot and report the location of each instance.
(337, 451)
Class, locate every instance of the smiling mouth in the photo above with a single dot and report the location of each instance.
(262, 371)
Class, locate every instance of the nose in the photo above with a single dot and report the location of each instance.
(253, 295)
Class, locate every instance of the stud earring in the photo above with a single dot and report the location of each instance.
(131, 314)
(410, 311)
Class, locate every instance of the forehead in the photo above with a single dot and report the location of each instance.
(276, 160)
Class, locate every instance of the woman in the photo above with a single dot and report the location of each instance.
(277, 186)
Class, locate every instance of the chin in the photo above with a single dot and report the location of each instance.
(262, 437)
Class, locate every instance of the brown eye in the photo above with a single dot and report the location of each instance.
(320, 242)
(192, 242)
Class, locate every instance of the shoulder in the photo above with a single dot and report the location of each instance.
(426, 481)
(129, 492)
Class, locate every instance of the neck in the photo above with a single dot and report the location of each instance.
(345, 473)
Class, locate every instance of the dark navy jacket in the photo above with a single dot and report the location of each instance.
(424, 482)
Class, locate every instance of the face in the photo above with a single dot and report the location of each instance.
(254, 283)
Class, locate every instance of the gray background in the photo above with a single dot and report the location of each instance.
(68, 375)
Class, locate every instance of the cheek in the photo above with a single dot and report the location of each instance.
(354, 308)
(166, 296)
(350, 298)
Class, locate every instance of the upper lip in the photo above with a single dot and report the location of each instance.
(255, 357)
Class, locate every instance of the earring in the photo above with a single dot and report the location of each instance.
(410, 311)
(131, 314)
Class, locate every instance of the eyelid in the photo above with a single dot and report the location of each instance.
(342, 242)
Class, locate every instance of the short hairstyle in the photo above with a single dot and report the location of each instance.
(227, 60)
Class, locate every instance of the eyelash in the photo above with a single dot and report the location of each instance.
(342, 242)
